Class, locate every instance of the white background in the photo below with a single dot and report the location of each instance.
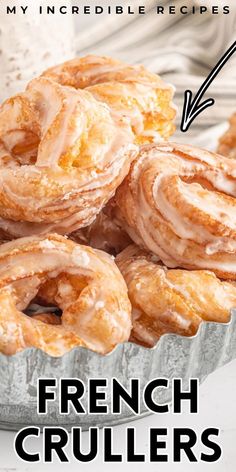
(217, 409)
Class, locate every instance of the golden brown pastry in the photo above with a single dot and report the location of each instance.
(171, 301)
(63, 154)
(179, 202)
(103, 234)
(227, 143)
(83, 282)
(48, 318)
(132, 92)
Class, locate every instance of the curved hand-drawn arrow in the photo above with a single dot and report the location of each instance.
(191, 109)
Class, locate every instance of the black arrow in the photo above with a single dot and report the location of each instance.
(191, 109)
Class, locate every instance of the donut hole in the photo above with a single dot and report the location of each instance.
(46, 314)
(61, 290)
(55, 295)
(28, 301)
(46, 299)
(34, 309)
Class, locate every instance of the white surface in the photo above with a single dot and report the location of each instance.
(217, 409)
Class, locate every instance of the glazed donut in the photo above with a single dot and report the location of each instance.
(82, 72)
(171, 301)
(63, 155)
(227, 143)
(103, 234)
(84, 283)
(179, 202)
(131, 91)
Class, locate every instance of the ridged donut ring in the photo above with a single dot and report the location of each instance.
(179, 202)
(171, 301)
(62, 156)
(84, 283)
(132, 92)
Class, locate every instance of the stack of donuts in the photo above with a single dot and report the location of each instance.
(108, 231)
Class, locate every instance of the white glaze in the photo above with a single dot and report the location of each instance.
(167, 189)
